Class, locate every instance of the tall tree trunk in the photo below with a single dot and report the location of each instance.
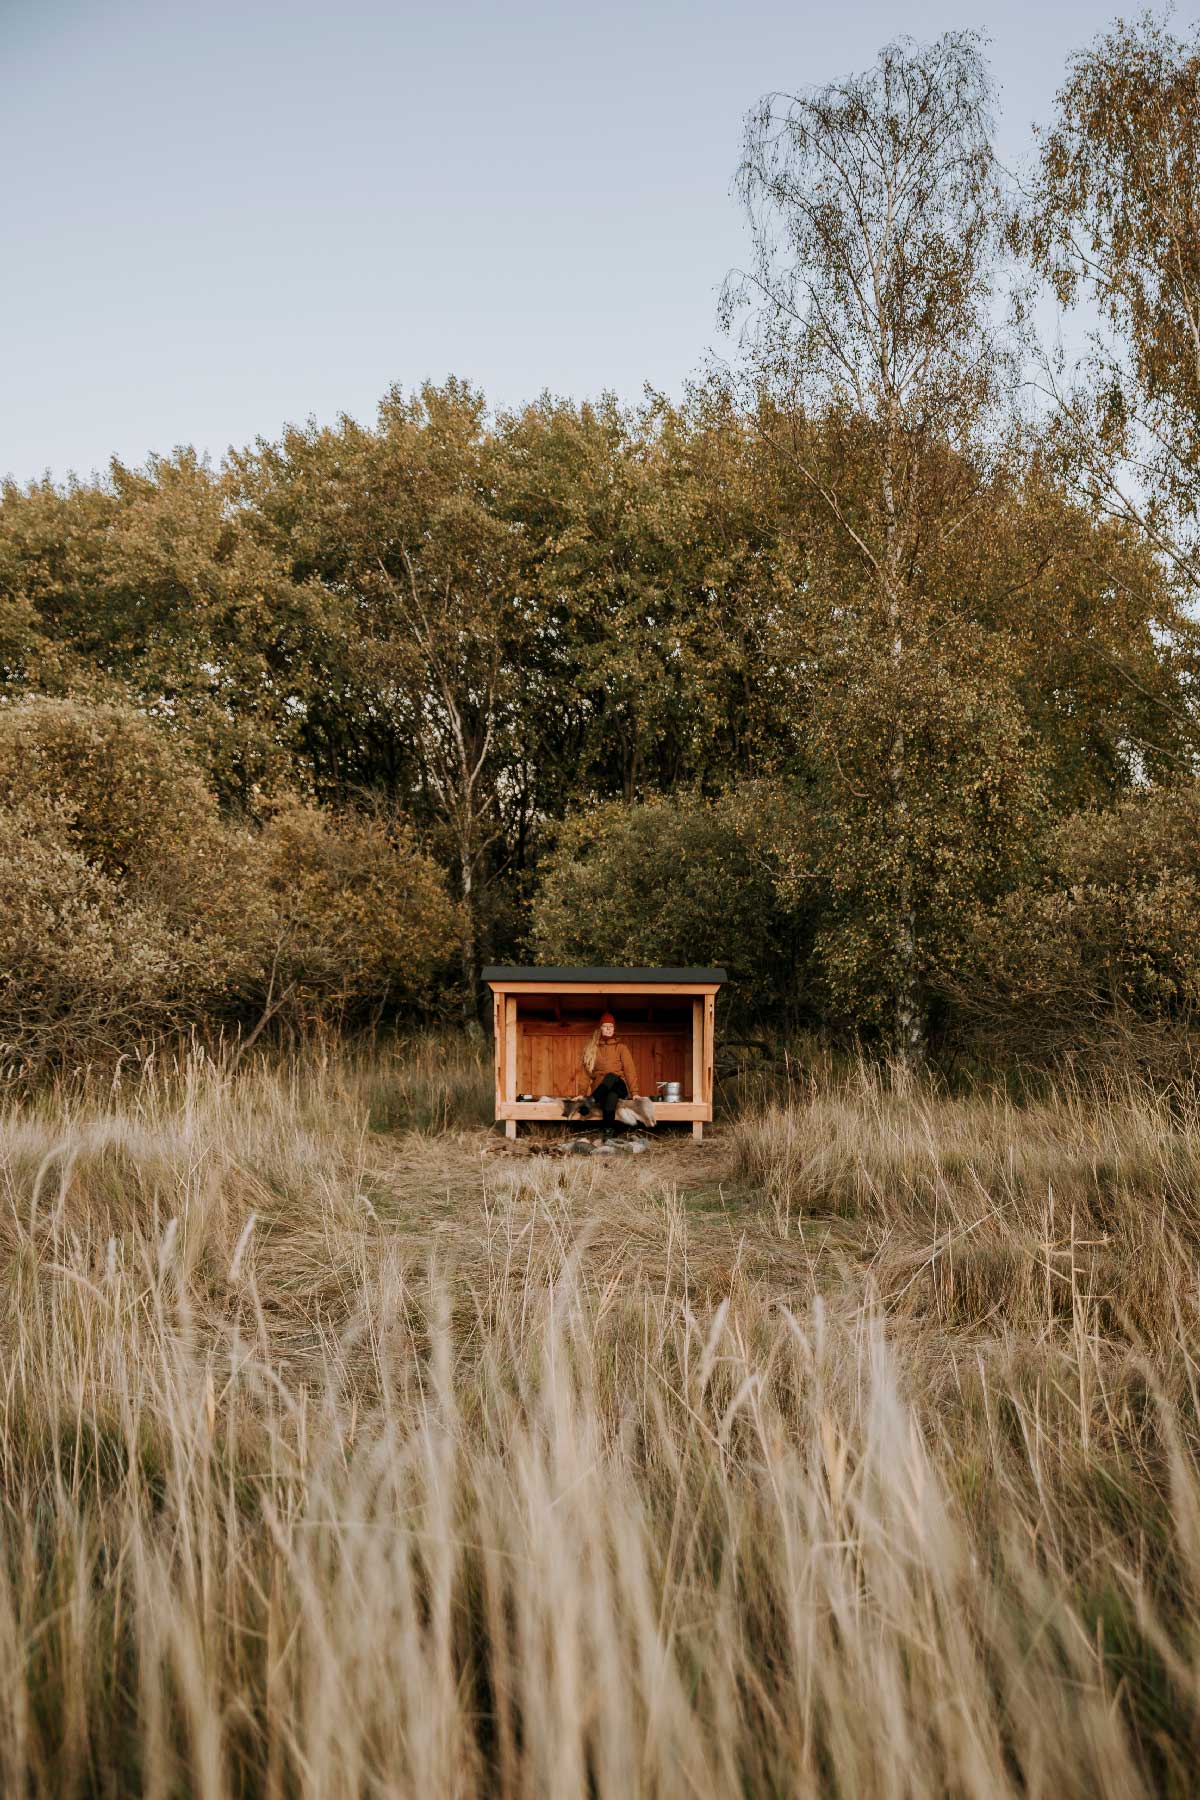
(909, 1010)
(909, 1003)
(470, 949)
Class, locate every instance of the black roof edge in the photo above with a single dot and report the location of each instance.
(510, 972)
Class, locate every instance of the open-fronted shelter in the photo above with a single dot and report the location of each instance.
(545, 1016)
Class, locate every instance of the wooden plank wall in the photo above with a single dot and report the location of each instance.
(548, 1054)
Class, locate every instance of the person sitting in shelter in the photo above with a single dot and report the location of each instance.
(607, 1074)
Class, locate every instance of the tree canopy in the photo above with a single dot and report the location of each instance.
(827, 654)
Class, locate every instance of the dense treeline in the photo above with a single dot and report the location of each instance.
(844, 673)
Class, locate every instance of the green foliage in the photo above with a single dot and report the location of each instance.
(124, 794)
(968, 822)
(82, 973)
(500, 620)
(132, 910)
(152, 586)
(361, 916)
(651, 545)
(678, 882)
(1106, 932)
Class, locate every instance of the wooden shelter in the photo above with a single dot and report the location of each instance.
(544, 1018)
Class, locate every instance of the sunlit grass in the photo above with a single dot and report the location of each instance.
(343, 1453)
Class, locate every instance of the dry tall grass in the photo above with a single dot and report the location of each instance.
(341, 1455)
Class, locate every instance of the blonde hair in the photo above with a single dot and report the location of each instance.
(593, 1044)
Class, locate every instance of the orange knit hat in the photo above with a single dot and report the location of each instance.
(606, 1018)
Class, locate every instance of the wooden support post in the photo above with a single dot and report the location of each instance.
(498, 1035)
(697, 1129)
(510, 1059)
(709, 1047)
(510, 1048)
(697, 1050)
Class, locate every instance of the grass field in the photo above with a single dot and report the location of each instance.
(345, 1452)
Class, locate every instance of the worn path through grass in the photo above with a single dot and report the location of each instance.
(680, 1218)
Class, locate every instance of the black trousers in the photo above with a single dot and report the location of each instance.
(609, 1091)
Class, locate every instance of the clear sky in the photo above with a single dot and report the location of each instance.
(221, 215)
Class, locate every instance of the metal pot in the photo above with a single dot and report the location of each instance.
(670, 1090)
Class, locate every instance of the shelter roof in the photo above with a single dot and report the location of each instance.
(601, 977)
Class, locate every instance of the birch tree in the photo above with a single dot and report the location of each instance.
(1114, 222)
(874, 215)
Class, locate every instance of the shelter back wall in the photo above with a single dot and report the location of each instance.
(549, 1053)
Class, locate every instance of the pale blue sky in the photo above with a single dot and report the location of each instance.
(221, 216)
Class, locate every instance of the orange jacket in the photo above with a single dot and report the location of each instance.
(612, 1058)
